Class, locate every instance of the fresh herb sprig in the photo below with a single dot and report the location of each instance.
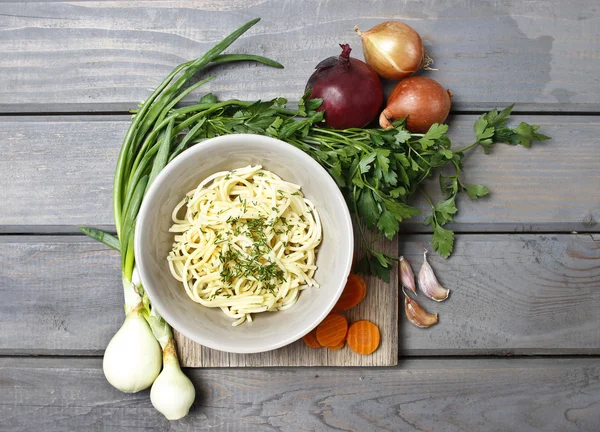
(489, 129)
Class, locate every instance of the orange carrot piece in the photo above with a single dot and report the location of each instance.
(338, 346)
(354, 292)
(332, 330)
(310, 339)
(363, 337)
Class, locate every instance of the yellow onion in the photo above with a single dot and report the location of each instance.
(393, 49)
(420, 100)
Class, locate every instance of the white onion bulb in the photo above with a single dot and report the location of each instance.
(133, 357)
(172, 393)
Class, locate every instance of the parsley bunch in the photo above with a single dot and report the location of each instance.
(377, 170)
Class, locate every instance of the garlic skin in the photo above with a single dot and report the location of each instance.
(429, 283)
(417, 315)
(133, 357)
(172, 393)
(407, 277)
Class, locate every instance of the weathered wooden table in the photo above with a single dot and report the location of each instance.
(518, 345)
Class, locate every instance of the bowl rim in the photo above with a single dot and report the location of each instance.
(146, 208)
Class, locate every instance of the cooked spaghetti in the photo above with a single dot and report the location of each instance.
(245, 242)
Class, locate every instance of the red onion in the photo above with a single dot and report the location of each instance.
(351, 91)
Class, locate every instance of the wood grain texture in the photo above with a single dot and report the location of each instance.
(380, 306)
(447, 395)
(61, 295)
(65, 166)
(98, 56)
(511, 294)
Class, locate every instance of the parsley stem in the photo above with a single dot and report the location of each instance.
(411, 149)
(469, 147)
(430, 203)
(360, 228)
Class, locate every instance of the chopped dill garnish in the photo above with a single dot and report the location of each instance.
(255, 264)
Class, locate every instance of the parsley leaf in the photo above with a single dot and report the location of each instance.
(402, 135)
(445, 211)
(375, 263)
(388, 224)
(442, 240)
(302, 103)
(382, 159)
(498, 119)
(528, 133)
(366, 161)
(367, 208)
(476, 191)
(274, 126)
(336, 172)
(400, 210)
(435, 132)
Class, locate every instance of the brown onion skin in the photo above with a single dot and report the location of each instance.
(351, 91)
(396, 41)
(421, 100)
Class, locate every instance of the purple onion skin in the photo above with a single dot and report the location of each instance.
(351, 91)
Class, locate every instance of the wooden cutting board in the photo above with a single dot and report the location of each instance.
(380, 306)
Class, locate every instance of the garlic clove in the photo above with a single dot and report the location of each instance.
(429, 283)
(407, 277)
(417, 315)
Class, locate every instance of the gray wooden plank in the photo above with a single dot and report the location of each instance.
(95, 56)
(511, 294)
(61, 295)
(65, 166)
(425, 394)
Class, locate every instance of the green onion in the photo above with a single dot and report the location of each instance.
(101, 236)
(152, 140)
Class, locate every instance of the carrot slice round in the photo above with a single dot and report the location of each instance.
(354, 292)
(338, 346)
(310, 339)
(332, 330)
(363, 337)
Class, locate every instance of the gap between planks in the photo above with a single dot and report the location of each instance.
(120, 111)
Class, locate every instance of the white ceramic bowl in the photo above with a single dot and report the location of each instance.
(210, 326)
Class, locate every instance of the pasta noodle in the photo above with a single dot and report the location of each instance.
(246, 242)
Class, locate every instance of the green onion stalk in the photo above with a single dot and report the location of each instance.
(145, 343)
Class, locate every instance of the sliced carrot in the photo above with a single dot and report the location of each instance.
(332, 330)
(363, 337)
(311, 341)
(354, 292)
(338, 346)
